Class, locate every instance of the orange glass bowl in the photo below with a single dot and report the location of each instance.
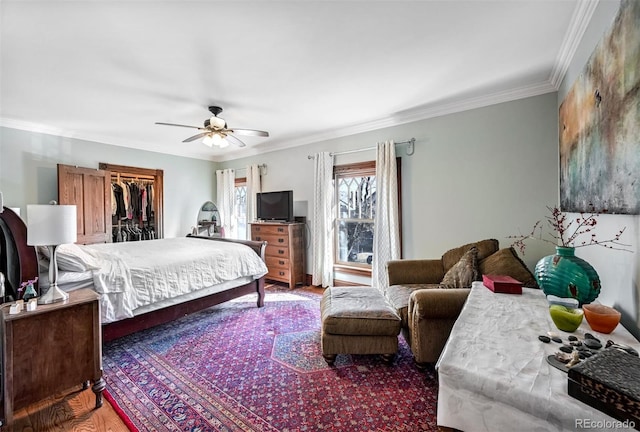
(601, 318)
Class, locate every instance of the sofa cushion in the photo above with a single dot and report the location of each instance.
(464, 272)
(398, 297)
(485, 248)
(506, 262)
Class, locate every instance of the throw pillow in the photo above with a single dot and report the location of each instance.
(506, 262)
(485, 248)
(463, 272)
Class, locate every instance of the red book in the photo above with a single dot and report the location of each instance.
(502, 284)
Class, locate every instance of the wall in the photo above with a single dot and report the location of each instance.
(619, 271)
(28, 173)
(482, 173)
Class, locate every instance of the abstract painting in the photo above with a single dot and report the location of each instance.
(599, 129)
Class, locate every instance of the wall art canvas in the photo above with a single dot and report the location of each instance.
(600, 124)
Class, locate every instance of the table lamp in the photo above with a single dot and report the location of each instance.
(51, 225)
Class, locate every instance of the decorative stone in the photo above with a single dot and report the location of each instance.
(556, 339)
(572, 338)
(545, 339)
(566, 348)
(562, 357)
(589, 336)
(593, 343)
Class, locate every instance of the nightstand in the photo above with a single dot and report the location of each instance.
(50, 350)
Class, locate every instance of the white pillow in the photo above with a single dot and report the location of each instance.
(72, 257)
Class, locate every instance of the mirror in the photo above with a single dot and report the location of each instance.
(208, 220)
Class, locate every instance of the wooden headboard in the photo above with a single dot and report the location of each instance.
(18, 261)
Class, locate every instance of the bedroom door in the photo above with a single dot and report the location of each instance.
(90, 190)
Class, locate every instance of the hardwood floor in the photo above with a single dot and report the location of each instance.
(72, 411)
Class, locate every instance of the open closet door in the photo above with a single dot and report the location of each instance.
(90, 190)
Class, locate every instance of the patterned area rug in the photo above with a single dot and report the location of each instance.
(236, 367)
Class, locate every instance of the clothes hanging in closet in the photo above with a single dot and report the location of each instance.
(133, 200)
(130, 231)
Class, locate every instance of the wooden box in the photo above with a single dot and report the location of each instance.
(610, 382)
(502, 284)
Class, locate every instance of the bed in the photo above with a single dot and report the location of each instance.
(143, 283)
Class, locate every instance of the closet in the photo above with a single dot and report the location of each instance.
(138, 208)
(91, 191)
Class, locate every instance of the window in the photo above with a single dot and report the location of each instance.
(240, 192)
(355, 220)
(355, 195)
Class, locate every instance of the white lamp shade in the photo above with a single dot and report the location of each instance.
(216, 139)
(49, 225)
(207, 140)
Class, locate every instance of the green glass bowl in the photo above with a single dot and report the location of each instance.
(566, 319)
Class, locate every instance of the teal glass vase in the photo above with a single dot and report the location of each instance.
(566, 275)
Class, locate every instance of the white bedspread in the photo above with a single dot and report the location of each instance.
(136, 274)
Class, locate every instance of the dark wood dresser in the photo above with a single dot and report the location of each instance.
(285, 253)
(51, 350)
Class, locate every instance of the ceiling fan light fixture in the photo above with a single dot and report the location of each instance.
(215, 131)
(217, 122)
(208, 140)
(218, 139)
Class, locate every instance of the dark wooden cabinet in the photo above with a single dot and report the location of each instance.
(285, 252)
(50, 350)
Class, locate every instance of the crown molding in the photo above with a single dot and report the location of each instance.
(34, 127)
(100, 139)
(409, 116)
(579, 22)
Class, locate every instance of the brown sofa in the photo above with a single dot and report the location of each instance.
(428, 310)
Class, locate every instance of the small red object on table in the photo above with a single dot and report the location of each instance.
(502, 284)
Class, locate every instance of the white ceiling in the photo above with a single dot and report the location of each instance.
(303, 70)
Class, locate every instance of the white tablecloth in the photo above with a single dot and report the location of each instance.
(493, 374)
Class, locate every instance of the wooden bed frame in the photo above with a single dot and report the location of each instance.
(19, 262)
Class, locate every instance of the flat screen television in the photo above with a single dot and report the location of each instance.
(275, 206)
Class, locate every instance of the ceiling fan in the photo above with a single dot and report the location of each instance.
(216, 133)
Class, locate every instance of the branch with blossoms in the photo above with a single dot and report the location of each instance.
(23, 285)
(565, 232)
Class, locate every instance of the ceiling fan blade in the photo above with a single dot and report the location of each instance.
(195, 137)
(235, 141)
(173, 124)
(249, 132)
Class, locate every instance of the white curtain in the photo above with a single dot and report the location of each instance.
(386, 237)
(226, 201)
(323, 219)
(254, 185)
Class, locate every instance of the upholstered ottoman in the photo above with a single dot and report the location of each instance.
(358, 320)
